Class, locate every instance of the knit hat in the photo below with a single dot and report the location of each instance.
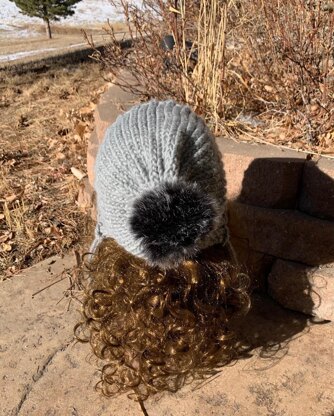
(160, 186)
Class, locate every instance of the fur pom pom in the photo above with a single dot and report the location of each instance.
(170, 219)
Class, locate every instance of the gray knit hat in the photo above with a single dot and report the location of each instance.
(160, 184)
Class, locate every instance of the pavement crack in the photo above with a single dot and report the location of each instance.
(41, 369)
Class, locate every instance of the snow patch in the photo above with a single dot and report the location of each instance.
(16, 31)
(18, 55)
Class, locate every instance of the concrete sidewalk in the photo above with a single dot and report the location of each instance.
(44, 373)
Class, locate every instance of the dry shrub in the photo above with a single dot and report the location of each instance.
(145, 62)
(191, 72)
(287, 63)
(256, 70)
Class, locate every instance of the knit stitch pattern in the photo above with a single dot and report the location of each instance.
(152, 144)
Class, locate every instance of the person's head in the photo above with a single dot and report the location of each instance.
(163, 283)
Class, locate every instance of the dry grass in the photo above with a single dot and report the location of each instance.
(13, 45)
(203, 85)
(46, 118)
(91, 28)
(40, 48)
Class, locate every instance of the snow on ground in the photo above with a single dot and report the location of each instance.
(19, 55)
(87, 11)
(15, 31)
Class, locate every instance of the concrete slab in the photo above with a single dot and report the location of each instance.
(32, 330)
(288, 369)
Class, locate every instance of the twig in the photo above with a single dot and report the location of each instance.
(142, 406)
(206, 381)
(47, 287)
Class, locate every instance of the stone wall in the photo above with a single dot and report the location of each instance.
(282, 224)
(281, 214)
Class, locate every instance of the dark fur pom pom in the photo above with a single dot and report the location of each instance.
(169, 220)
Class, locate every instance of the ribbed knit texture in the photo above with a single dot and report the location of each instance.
(154, 143)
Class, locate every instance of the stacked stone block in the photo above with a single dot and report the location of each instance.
(281, 217)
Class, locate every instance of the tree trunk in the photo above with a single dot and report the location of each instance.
(48, 28)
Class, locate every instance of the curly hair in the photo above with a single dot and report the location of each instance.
(157, 330)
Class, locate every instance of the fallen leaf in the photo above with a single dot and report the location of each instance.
(80, 129)
(60, 156)
(84, 111)
(11, 198)
(77, 173)
(11, 270)
(328, 151)
(52, 143)
(4, 238)
(6, 247)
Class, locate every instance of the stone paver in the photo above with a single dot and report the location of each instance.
(286, 234)
(44, 373)
(302, 288)
(260, 175)
(32, 330)
(317, 190)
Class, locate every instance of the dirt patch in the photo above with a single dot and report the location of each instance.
(47, 116)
